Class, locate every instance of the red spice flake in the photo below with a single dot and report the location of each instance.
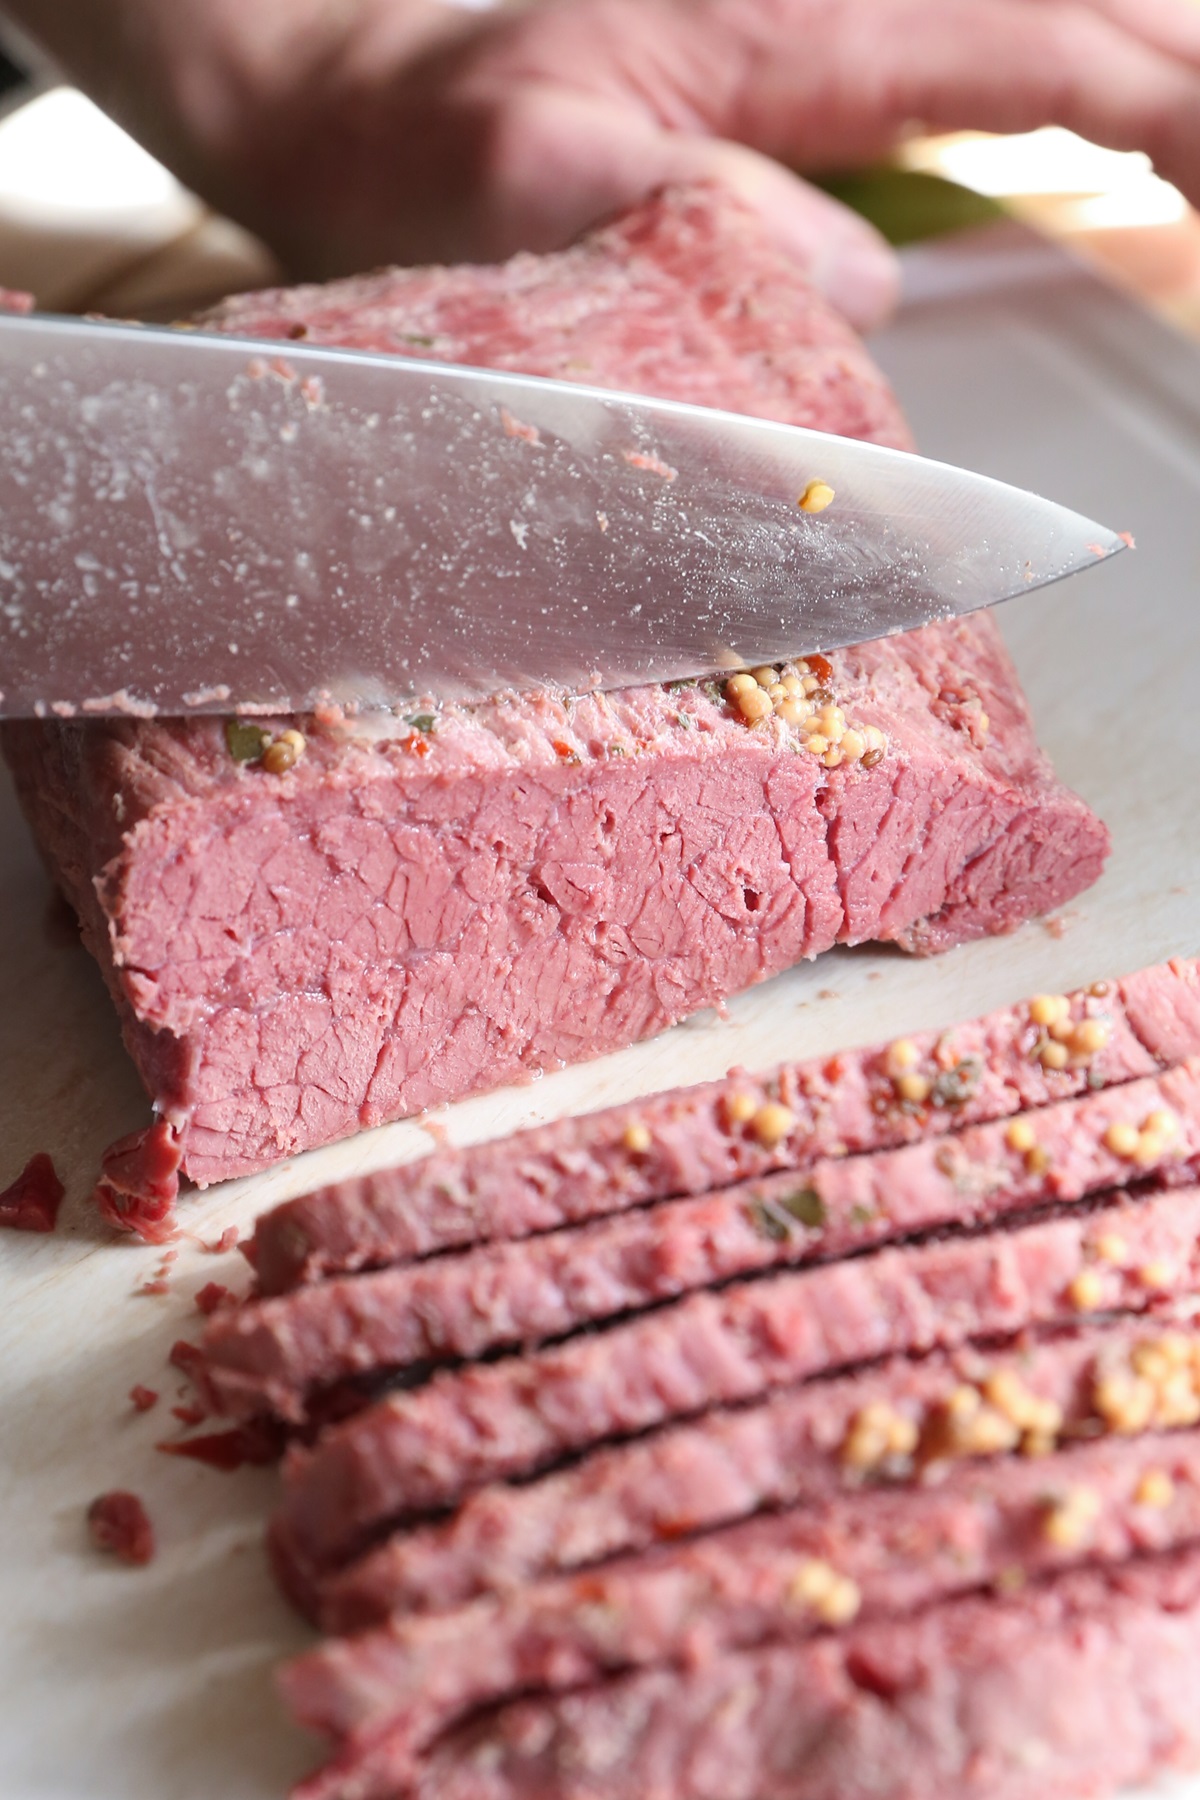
(212, 1295)
(821, 667)
(417, 743)
(139, 1182)
(33, 1200)
(185, 1356)
(118, 1523)
(143, 1398)
(191, 1414)
(227, 1241)
(261, 1442)
(561, 748)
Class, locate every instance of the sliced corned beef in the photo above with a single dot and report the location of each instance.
(396, 921)
(268, 1356)
(1072, 1688)
(692, 1140)
(805, 1446)
(416, 1451)
(881, 1553)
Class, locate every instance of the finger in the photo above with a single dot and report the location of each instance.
(829, 83)
(604, 155)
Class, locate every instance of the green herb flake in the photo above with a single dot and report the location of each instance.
(245, 743)
(422, 722)
(861, 1215)
(954, 1087)
(419, 338)
(807, 1206)
(767, 1222)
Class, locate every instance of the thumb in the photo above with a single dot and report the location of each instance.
(560, 161)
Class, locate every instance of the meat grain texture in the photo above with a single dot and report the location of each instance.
(399, 921)
(920, 1519)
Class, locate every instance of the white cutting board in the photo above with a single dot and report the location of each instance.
(154, 1684)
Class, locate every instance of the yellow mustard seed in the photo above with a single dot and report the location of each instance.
(755, 705)
(737, 685)
(1069, 1521)
(771, 1124)
(1178, 1403)
(1038, 1443)
(1162, 1123)
(1112, 1248)
(1047, 1009)
(777, 692)
(901, 1056)
(833, 758)
(816, 744)
(812, 1582)
(766, 676)
(875, 738)
(740, 1108)
(1150, 1149)
(841, 1603)
(1122, 1139)
(794, 686)
(637, 1139)
(1086, 1292)
(916, 1089)
(1020, 1135)
(794, 712)
(816, 497)
(853, 745)
(1089, 1036)
(1037, 1160)
(903, 1435)
(1154, 1489)
(1149, 1359)
(1052, 1055)
(1155, 1275)
(1178, 1349)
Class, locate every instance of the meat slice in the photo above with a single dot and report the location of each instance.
(423, 1449)
(269, 1355)
(804, 1446)
(398, 920)
(1072, 1688)
(692, 1140)
(877, 1554)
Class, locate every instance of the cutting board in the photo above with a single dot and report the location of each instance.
(155, 1684)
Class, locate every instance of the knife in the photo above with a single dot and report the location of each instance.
(191, 522)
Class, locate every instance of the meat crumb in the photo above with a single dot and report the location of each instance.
(257, 1443)
(118, 1524)
(212, 1295)
(139, 1182)
(191, 1414)
(142, 1398)
(33, 1200)
(227, 1241)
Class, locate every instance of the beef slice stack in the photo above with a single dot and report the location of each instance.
(479, 893)
(819, 1435)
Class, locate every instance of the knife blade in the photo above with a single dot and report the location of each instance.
(196, 523)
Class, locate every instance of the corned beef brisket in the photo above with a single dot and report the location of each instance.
(700, 1524)
(397, 921)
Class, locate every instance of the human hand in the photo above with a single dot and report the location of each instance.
(353, 132)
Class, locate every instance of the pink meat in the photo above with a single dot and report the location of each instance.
(903, 1550)
(269, 1355)
(785, 1451)
(579, 1168)
(424, 1449)
(401, 921)
(1073, 1688)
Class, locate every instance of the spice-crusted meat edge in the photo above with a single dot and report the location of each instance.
(422, 1450)
(576, 1169)
(895, 1422)
(878, 1553)
(268, 1355)
(1073, 1687)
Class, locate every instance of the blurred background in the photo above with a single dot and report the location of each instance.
(90, 222)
